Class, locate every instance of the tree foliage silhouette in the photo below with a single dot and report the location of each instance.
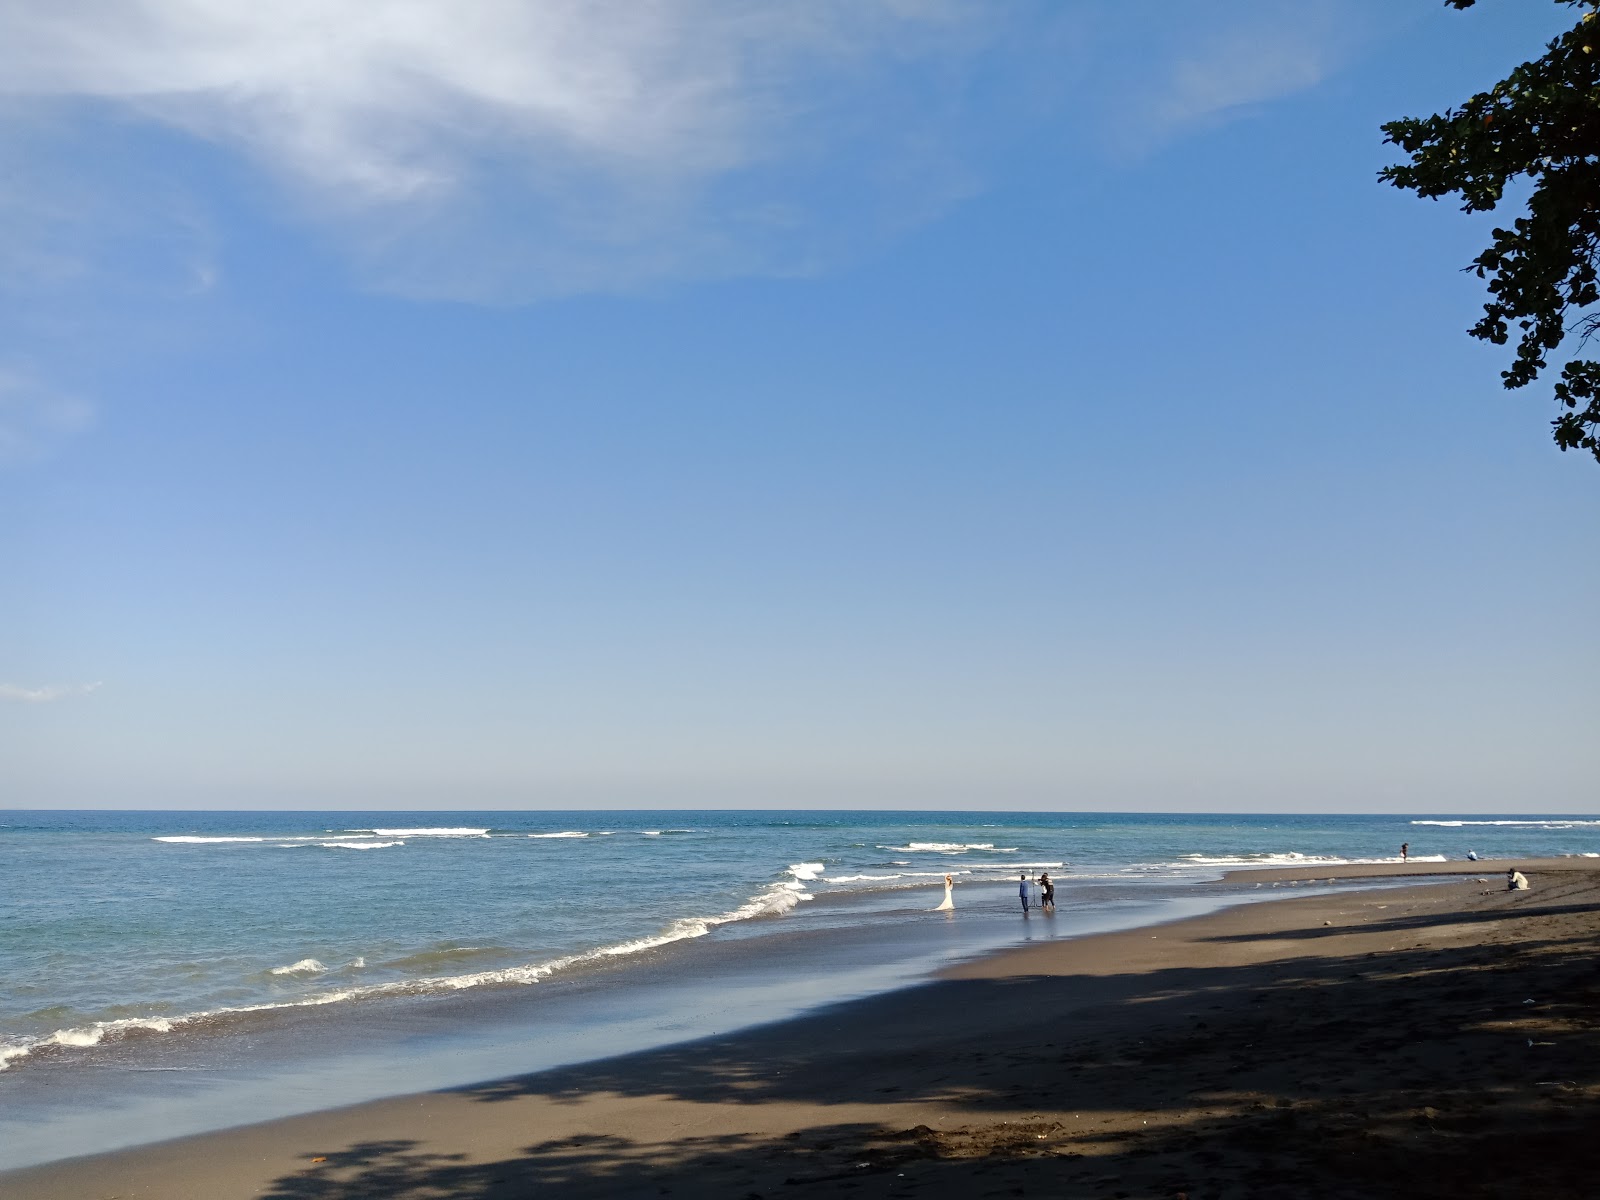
(1542, 123)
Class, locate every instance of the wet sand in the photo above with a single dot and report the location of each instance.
(1438, 1040)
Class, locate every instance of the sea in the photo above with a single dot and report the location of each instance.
(165, 973)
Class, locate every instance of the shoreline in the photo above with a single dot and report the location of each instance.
(950, 1085)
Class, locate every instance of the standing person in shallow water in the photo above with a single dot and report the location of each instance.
(1047, 891)
(1405, 851)
(1022, 891)
(949, 900)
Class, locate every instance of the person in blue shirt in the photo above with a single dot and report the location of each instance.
(1022, 891)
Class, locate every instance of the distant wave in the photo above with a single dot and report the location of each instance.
(321, 839)
(443, 831)
(359, 845)
(1265, 858)
(329, 841)
(1536, 823)
(1294, 859)
(949, 848)
(571, 833)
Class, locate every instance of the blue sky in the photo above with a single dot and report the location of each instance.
(883, 403)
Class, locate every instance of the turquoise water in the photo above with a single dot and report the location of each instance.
(118, 926)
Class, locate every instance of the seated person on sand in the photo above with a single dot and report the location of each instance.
(1516, 881)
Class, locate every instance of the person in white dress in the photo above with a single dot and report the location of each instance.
(949, 900)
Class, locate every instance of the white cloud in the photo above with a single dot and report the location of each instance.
(44, 695)
(509, 149)
(33, 415)
(1211, 65)
(502, 146)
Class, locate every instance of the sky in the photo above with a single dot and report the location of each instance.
(836, 403)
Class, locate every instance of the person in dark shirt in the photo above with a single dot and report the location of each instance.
(1047, 891)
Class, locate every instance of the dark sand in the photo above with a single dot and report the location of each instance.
(1441, 1040)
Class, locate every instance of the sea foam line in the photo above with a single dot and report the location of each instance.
(775, 900)
(898, 875)
(1546, 823)
(949, 848)
(359, 845)
(306, 966)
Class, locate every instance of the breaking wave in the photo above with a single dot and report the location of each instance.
(949, 848)
(775, 900)
(306, 966)
(1536, 823)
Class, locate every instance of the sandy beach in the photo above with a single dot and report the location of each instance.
(1437, 1040)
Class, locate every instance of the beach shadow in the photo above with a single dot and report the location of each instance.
(1424, 1071)
(1404, 924)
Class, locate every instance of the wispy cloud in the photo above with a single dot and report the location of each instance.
(34, 415)
(1213, 65)
(509, 149)
(44, 695)
(497, 147)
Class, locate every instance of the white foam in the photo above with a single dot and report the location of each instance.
(806, 871)
(359, 845)
(1545, 823)
(86, 1036)
(1286, 858)
(306, 966)
(886, 878)
(571, 833)
(427, 831)
(204, 840)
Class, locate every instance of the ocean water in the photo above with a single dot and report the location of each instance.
(123, 923)
(192, 941)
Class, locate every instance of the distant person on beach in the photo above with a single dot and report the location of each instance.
(1405, 851)
(949, 899)
(1472, 856)
(1516, 881)
(1022, 891)
(1047, 891)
